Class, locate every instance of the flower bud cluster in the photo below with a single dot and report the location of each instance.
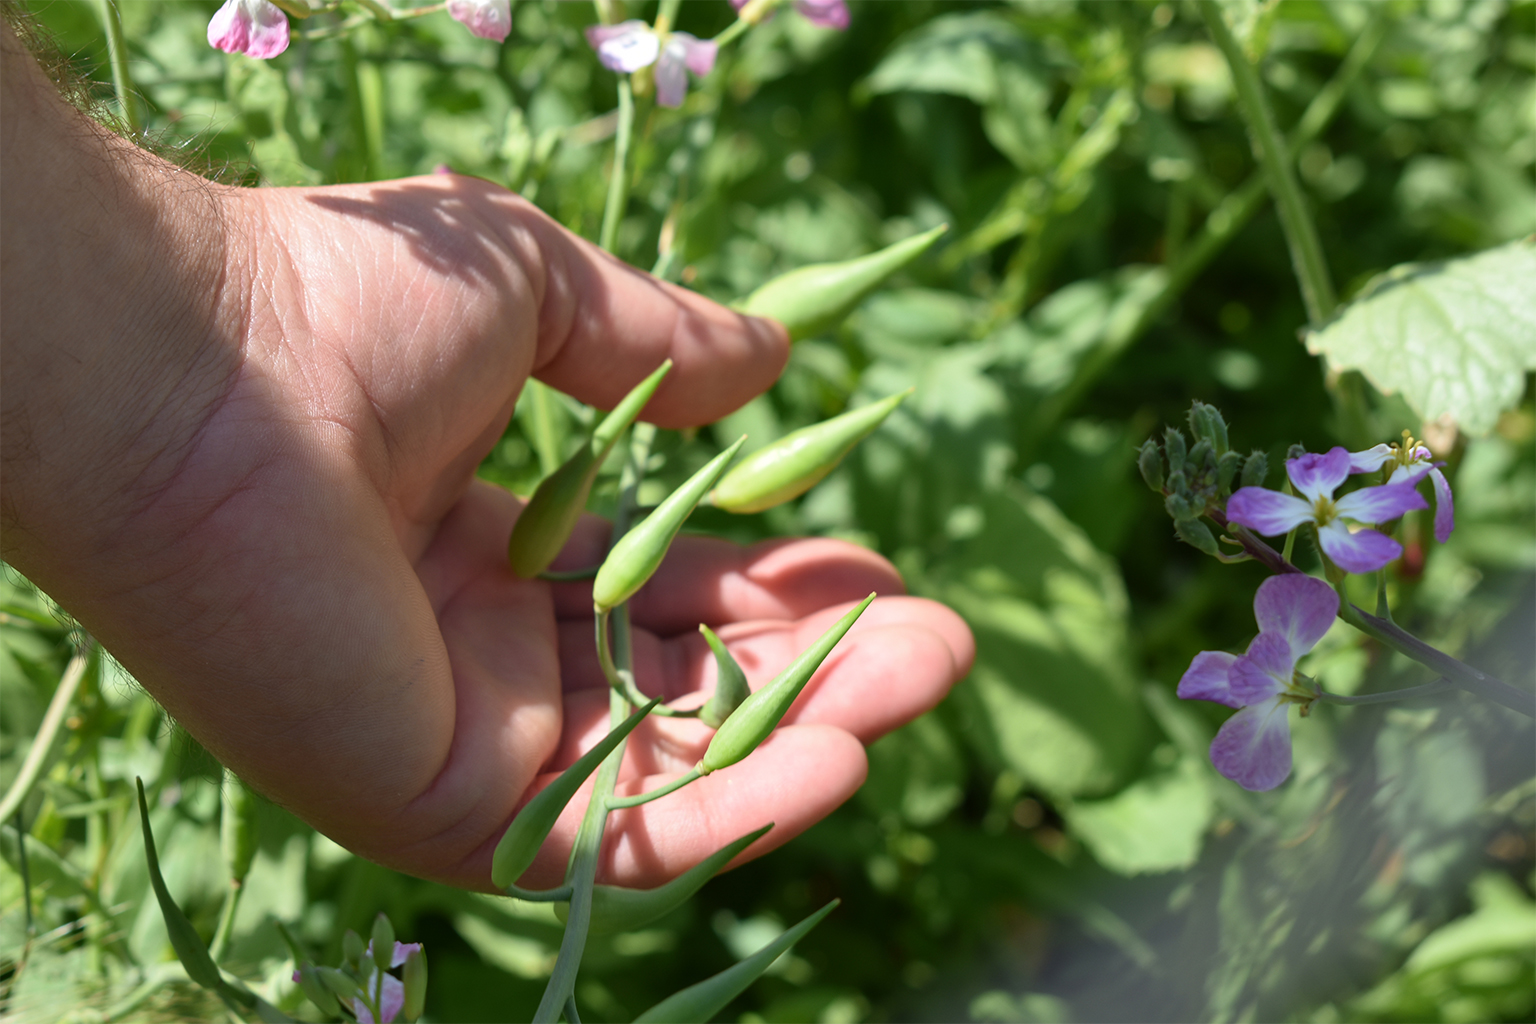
(1197, 479)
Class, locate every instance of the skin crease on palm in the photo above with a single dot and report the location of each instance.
(240, 431)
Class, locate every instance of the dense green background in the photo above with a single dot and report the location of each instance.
(1051, 843)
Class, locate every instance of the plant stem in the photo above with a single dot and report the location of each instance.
(559, 895)
(730, 32)
(1389, 696)
(618, 182)
(117, 55)
(1300, 232)
(32, 766)
(226, 927)
(621, 802)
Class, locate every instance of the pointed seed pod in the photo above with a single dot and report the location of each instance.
(615, 909)
(795, 463)
(1149, 460)
(546, 522)
(812, 299)
(730, 683)
(639, 552)
(1256, 469)
(184, 938)
(415, 978)
(521, 842)
(760, 713)
(237, 828)
(314, 988)
(383, 942)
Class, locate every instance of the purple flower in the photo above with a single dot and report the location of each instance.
(1253, 747)
(392, 998)
(488, 19)
(631, 45)
(825, 13)
(255, 28)
(1316, 477)
(1410, 462)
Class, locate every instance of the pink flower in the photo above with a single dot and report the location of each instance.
(825, 13)
(1317, 477)
(488, 19)
(1253, 747)
(392, 998)
(255, 28)
(631, 45)
(1409, 463)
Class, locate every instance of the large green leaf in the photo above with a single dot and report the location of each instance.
(1157, 824)
(1455, 337)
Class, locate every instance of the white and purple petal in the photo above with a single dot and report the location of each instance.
(488, 19)
(1299, 608)
(826, 13)
(682, 53)
(1269, 512)
(1253, 747)
(1445, 508)
(255, 28)
(1264, 670)
(1207, 679)
(1318, 476)
(391, 999)
(1371, 459)
(1380, 504)
(1361, 551)
(626, 47)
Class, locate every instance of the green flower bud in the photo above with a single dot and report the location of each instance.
(1179, 507)
(237, 828)
(730, 683)
(1196, 534)
(639, 552)
(1295, 451)
(1149, 459)
(415, 978)
(184, 938)
(622, 910)
(352, 950)
(1226, 469)
(1255, 469)
(1173, 444)
(795, 463)
(1207, 424)
(1200, 458)
(521, 842)
(812, 299)
(760, 713)
(549, 517)
(314, 988)
(383, 942)
(339, 982)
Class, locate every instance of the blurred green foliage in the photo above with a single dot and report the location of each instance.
(1051, 843)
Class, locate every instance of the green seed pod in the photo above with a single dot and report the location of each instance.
(352, 950)
(1149, 460)
(314, 988)
(1226, 469)
(706, 999)
(812, 299)
(760, 713)
(640, 551)
(184, 938)
(383, 942)
(623, 910)
(521, 842)
(1196, 534)
(730, 683)
(1255, 469)
(546, 522)
(795, 463)
(415, 977)
(1173, 444)
(344, 985)
(237, 828)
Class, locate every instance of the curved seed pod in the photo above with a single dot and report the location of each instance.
(531, 827)
(730, 683)
(549, 517)
(184, 939)
(812, 299)
(615, 909)
(702, 1001)
(415, 978)
(637, 554)
(760, 713)
(795, 463)
(237, 827)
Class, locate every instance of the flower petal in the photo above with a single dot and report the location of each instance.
(626, 47)
(391, 999)
(1207, 679)
(1445, 508)
(826, 13)
(1253, 747)
(255, 28)
(698, 54)
(671, 76)
(1380, 504)
(1371, 459)
(1299, 608)
(1317, 476)
(1363, 551)
(488, 19)
(1269, 512)
(1264, 670)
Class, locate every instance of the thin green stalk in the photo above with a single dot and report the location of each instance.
(117, 55)
(559, 895)
(1300, 232)
(43, 741)
(1388, 696)
(666, 15)
(618, 803)
(618, 182)
(226, 926)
